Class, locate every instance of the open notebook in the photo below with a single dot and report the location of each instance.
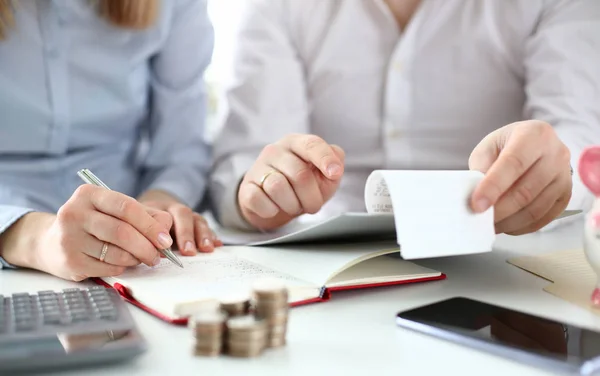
(310, 272)
(425, 212)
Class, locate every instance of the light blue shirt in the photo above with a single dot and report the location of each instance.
(77, 92)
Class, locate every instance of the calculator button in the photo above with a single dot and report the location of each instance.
(22, 324)
(80, 315)
(46, 301)
(72, 305)
(108, 315)
(49, 304)
(71, 289)
(97, 288)
(101, 292)
(52, 318)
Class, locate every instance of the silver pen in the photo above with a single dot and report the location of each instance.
(88, 177)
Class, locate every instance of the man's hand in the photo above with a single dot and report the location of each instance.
(293, 176)
(527, 176)
(191, 230)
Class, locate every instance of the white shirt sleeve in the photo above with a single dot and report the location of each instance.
(562, 63)
(263, 100)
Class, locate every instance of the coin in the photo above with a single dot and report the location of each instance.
(236, 305)
(208, 329)
(270, 288)
(246, 336)
(272, 305)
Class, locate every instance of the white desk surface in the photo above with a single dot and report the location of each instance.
(355, 332)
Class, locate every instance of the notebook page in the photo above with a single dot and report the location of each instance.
(574, 279)
(314, 263)
(386, 270)
(431, 211)
(205, 276)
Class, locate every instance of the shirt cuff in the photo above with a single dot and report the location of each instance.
(581, 199)
(8, 216)
(228, 211)
(186, 184)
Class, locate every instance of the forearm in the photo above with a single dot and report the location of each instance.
(20, 241)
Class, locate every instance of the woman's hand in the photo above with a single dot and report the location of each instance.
(96, 233)
(191, 231)
(293, 176)
(527, 176)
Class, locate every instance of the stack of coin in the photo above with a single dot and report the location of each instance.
(208, 328)
(236, 305)
(246, 336)
(272, 305)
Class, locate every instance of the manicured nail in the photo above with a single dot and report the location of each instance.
(156, 260)
(189, 247)
(165, 240)
(334, 169)
(482, 205)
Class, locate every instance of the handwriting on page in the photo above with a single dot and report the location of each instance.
(217, 269)
(377, 196)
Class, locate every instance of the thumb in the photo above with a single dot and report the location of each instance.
(484, 154)
(339, 152)
(328, 187)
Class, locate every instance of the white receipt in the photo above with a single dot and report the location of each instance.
(377, 195)
(431, 211)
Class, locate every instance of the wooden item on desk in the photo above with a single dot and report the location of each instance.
(310, 273)
(572, 276)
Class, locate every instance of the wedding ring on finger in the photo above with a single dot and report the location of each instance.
(264, 178)
(104, 252)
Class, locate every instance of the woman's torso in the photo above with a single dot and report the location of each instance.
(73, 94)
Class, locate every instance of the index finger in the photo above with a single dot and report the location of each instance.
(315, 150)
(131, 211)
(513, 161)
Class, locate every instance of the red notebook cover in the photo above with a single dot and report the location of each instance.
(325, 296)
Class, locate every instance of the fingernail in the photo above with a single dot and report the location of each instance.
(156, 260)
(334, 169)
(206, 242)
(165, 240)
(482, 205)
(189, 247)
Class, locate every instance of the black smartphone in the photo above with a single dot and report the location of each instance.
(517, 335)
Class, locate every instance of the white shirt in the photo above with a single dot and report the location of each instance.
(418, 99)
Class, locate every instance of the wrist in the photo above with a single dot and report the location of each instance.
(22, 241)
(157, 196)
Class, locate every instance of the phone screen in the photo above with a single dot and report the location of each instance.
(502, 326)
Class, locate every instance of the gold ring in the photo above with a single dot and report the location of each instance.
(264, 177)
(104, 252)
